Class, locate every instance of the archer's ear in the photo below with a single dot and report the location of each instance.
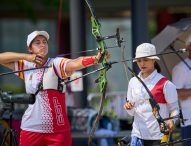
(155, 61)
(29, 50)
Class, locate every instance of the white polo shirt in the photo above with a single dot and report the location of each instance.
(145, 125)
(181, 77)
(48, 113)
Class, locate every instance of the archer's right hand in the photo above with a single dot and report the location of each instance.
(35, 58)
(129, 105)
(170, 125)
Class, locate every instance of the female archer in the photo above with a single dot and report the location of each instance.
(45, 122)
(146, 129)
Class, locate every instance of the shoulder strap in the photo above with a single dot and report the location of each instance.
(40, 85)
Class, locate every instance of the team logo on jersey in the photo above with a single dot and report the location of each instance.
(58, 110)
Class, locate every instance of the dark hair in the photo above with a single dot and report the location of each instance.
(157, 67)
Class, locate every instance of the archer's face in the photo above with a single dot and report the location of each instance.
(39, 46)
(146, 65)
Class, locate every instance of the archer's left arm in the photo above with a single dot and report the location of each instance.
(171, 97)
(84, 62)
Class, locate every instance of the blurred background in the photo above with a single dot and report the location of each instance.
(69, 26)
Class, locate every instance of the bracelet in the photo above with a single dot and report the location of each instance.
(87, 61)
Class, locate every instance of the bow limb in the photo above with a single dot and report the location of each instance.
(125, 63)
(102, 79)
(97, 118)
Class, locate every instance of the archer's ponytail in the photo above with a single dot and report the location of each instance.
(157, 67)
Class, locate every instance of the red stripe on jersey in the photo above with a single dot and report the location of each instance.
(62, 68)
(157, 91)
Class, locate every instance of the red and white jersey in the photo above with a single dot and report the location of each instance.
(48, 113)
(145, 125)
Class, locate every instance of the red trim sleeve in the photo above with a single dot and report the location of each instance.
(21, 67)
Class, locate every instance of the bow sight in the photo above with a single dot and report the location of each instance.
(116, 36)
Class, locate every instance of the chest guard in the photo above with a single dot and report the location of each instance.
(52, 81)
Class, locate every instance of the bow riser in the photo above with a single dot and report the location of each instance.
(102, 80)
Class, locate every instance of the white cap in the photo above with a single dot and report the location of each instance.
(34, 34)
(144, 50)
